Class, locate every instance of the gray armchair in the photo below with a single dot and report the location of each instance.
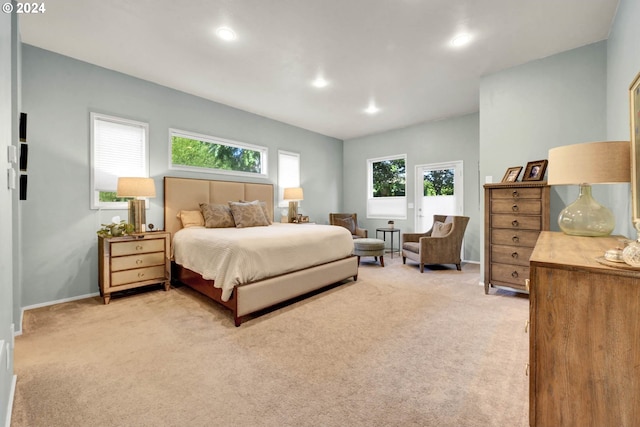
(440, 245)
(350, 222)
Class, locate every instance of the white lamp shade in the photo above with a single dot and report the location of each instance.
(603, 162)
(136, 187)
(294, 193)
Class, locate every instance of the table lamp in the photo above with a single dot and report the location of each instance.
(293, 195)
(137, 189)
(605, 162)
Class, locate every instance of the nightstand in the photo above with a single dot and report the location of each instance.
(133, 261)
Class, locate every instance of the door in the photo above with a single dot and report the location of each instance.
(438, 191)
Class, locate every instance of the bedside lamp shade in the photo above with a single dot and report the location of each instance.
(137, 189)
(293, 195)
(604, 162)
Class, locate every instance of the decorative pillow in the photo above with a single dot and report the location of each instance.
(263, 205)
(248, 214)
(191, 219)
(441, 229)
(217, 216)
(347, 223)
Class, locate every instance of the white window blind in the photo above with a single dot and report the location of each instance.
(288, 174)
(119, 148)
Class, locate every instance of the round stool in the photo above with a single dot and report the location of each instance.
(369, 247)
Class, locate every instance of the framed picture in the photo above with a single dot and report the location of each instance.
(634, 104)
(535, 170)
(512, 174)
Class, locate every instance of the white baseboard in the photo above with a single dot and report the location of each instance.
(12, 393)
(46, 304)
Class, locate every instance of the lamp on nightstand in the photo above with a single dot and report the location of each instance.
(137, 189)
(293, 195)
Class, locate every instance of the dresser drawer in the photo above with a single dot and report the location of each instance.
(138, 275)
(137, 261)
(511, 255)
(516, 193)
(137, 247)
(526, 207)
(516, 222)
(514, 237)
(509, 274)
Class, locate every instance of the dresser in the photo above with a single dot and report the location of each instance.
(585, 335)
(133, 261)
(514, 215)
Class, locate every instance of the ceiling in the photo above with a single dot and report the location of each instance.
(396, 53)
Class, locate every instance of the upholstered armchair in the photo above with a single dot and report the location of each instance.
(440, 245)
(350, 222)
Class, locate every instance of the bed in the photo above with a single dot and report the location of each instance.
(264, 284)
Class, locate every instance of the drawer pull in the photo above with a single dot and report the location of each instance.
(526, 327)
(514, 255)
(141, 275)
(515, 208)
(515, 194)
(139, 247)
(527, 284)
(526, 370)
(139, 261)
(514, 274)
(515, 239)
(515, 223)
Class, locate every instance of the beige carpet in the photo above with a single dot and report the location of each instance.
(395, 348)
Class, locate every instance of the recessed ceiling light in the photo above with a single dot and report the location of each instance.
(371, 109)
(320, 82)
(461, 39)
(226, 34)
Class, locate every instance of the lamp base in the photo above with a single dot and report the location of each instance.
(137, 215)
(293, 212)
(586, 217)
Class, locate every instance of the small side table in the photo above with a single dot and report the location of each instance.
(384, 232)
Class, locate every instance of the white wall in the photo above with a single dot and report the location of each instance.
(431, 142)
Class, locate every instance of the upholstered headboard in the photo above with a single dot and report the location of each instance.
(187, 194)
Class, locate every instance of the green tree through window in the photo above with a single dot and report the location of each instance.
(389, 178)
(439, 182)
(211, 155)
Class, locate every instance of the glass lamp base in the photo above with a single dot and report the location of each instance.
(586, 217)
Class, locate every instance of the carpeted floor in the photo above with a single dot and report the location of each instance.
(395, 348)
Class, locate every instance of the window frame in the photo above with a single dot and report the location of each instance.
(393, 203)
(95, 194)
(264, 154)
(281, 202)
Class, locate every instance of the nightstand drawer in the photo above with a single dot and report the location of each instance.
(137, 261)
(138, 275)
(137, 247)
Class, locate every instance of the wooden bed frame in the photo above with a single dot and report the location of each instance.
(187, 194)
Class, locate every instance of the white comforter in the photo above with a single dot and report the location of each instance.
(235, 256)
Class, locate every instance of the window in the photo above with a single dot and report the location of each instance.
(119, 147)
(194, 152)
(288, 174)
(386, 196)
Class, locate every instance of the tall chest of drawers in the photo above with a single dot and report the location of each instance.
(515, 214)
(133, 261)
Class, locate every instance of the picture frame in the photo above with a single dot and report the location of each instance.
(634, 113)
(512, 174)
(535, 170)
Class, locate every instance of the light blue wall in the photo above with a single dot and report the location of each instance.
(432, 142)
(8, 120)
(623, 63)
(555, 101)
(59, 246)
